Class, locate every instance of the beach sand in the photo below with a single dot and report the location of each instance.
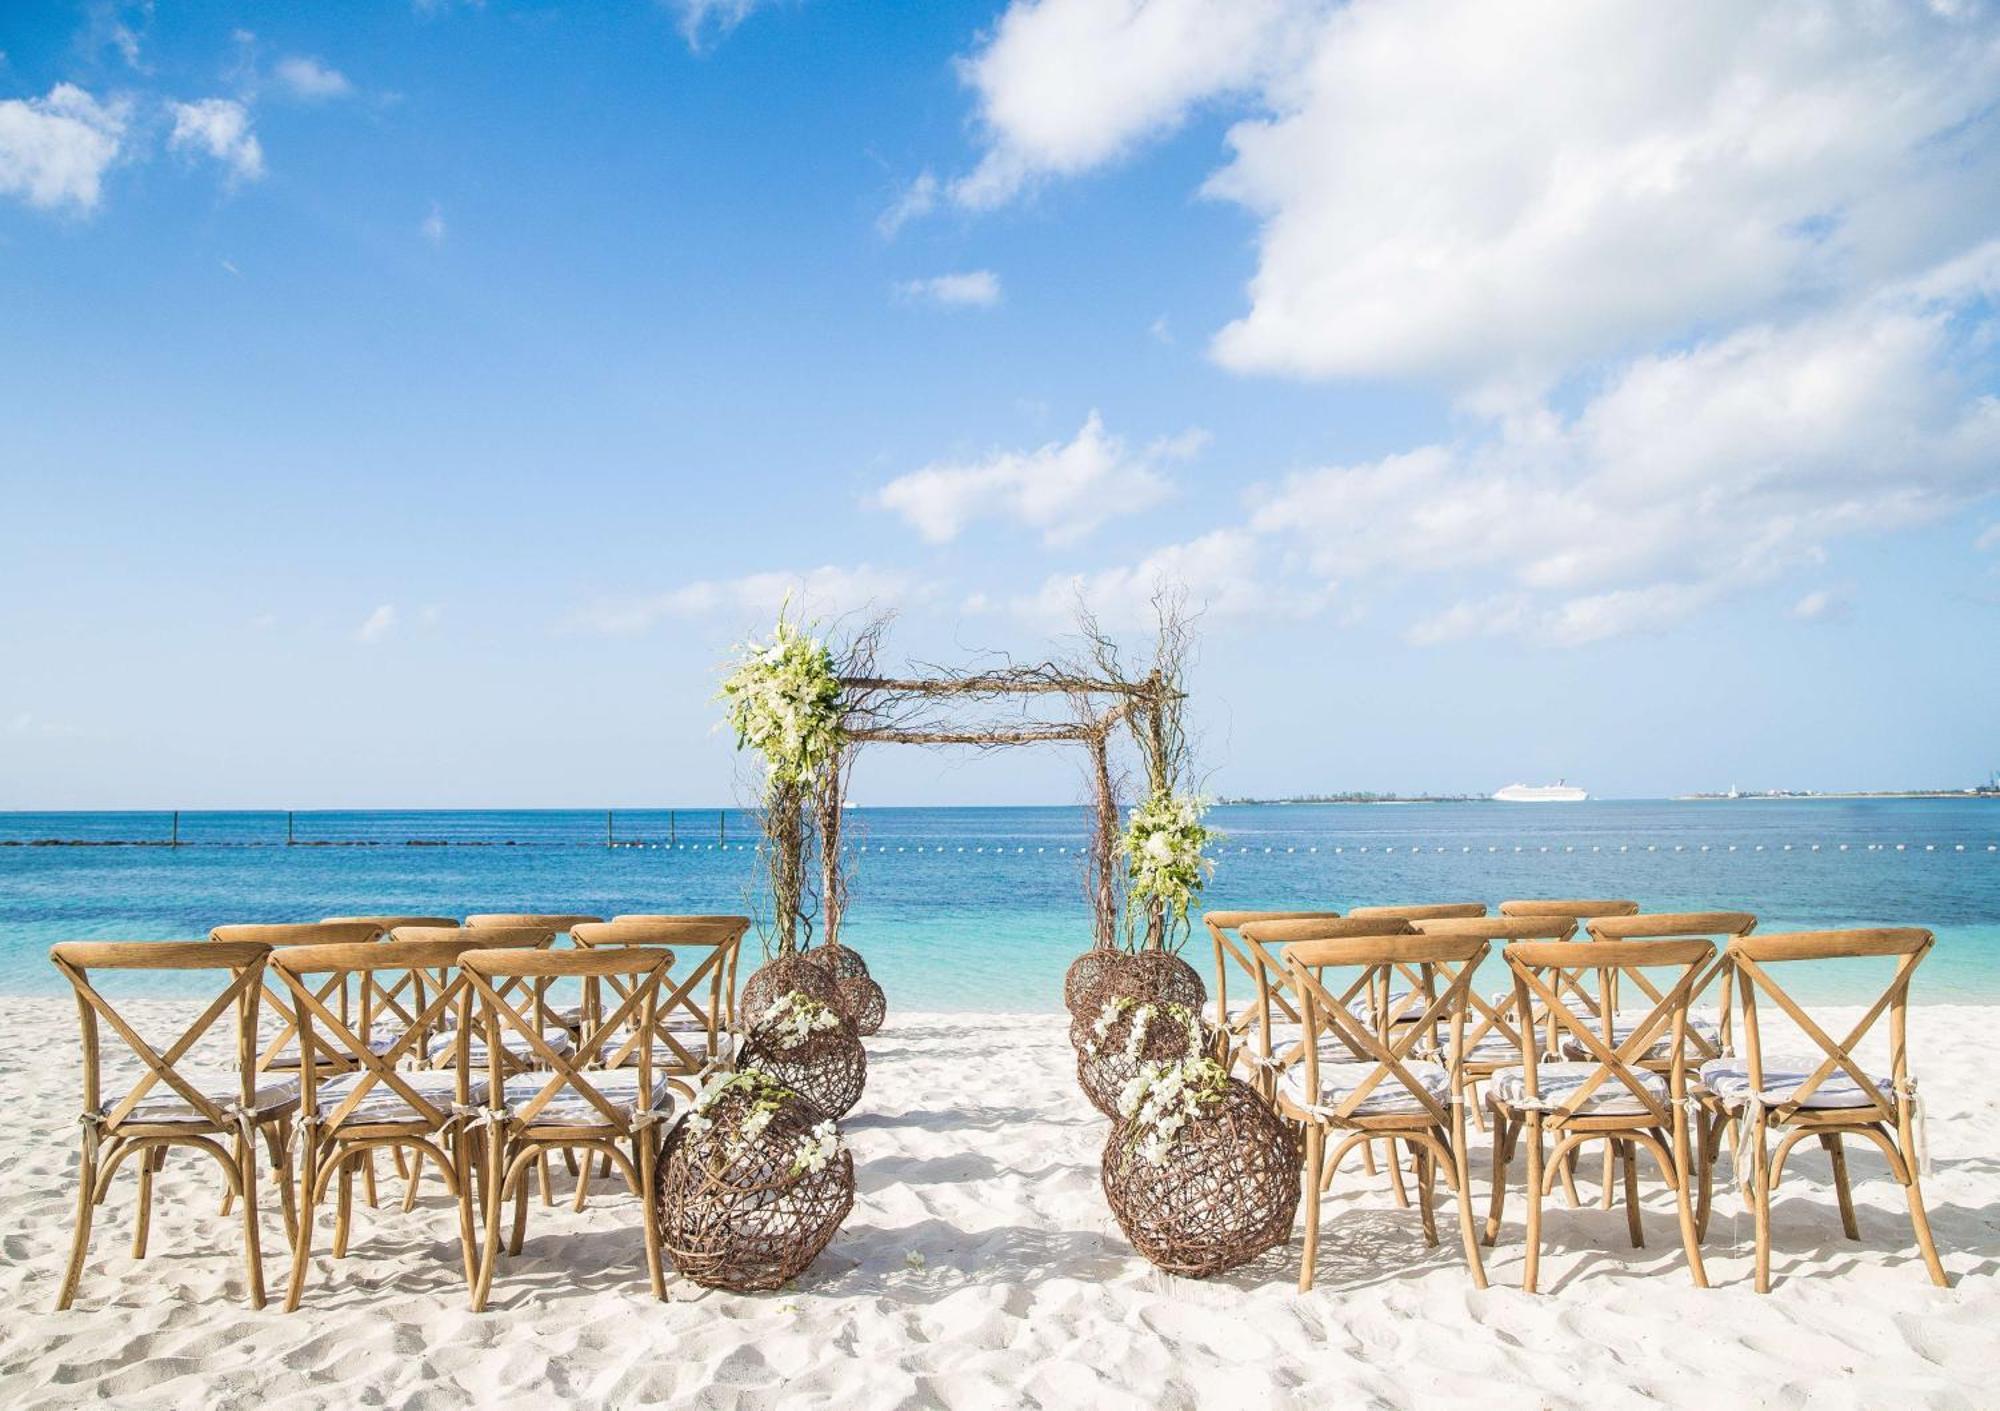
(981, 1268)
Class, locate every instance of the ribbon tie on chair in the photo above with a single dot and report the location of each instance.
(1920, 1141)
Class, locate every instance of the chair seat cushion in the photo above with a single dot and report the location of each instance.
(382, 1103)
(1627, 1022)
(570, 1108)
(1557, 1081)
(440, 1046)
(1729, 1080)
(1390, 1097)
(164, 1105)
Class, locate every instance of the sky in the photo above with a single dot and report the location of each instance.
(409, 405)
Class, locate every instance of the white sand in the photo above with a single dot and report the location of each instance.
(981, 1268)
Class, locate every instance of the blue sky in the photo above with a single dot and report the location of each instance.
(409, 404)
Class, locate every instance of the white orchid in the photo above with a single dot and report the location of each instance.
(794, 1018)
(1163, 1098)
(1162, 848)
(783, 699)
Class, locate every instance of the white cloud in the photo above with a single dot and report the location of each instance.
(1821, 604)
(1066, 85)
(973, 289)
(1689, 476)
(915, 201)
(54, 150)
(704, 19)
(1223, 574)
(1065, 489)
(432, 227)
(378, 624)
(1161, 332)
(1990, 539)
(827, 591)
(219, 128)
(309, 79)
(1437, 197)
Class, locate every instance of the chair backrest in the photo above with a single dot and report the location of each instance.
(1575, 908)
(1252, 959)
(1537, 966)
(1496, 1017)
(557, 921)
(1720, 927)
(417, 952)
(642, 968)
(1441, 966)
(704, 994)
(420, 981)
(662, 918)
(1751, 958)
(243, 961)
(1275, 996)
(1423, 910)
(390, 923)
(282, 1050)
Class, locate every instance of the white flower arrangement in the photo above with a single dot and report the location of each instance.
(1163, 1097)
(1144, 1012)
(766, 1096)
(795, 1017)
(1162, 847)
(783, 699)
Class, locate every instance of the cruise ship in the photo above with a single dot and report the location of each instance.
(1558, 792)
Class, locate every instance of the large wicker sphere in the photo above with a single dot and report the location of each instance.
(863, 1002)
(1084, 973)
(779, 978)
(1103, 1067)
(1227, 1190)
(734, 1213)
(842, 962)
(1149, 975)
(828, 1067)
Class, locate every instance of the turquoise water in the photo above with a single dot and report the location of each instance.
(982, 909)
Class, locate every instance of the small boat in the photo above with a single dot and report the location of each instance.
(1559, 792)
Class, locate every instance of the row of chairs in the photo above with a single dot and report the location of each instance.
(445, 1045)
(1594, 1040)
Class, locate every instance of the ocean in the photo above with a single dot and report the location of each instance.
(982, 908)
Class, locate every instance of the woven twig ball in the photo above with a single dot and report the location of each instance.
(864, 1003)
(843, 962)
(740, 1208)
(1149, 975)
(781, 977)
(1225, 1190)
(826, 1066)
(1107, 1059)
(1084, 973)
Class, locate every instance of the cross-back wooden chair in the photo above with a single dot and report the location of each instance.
(1269, 988)
(1610, 1095)
(170, 1104)
(691, 1028)
(439, 1046)
(1825, 1093)
(1577, 909)
(648, 918)
(1494, 1027)
(1421, 910)
(281, 1052)
(1384, 1000)
(566, 1106)
(1383, 1088)
(384, 1101)
(559, 922)
(1708, 1036)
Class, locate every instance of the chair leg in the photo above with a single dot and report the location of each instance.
(1396, 1175)
(520, 1212)
(468, 1236)
(1705, 1153)
(1920, 1222)
(143, 1217)
(1836, 1149)
(1569, 1181)
(1422, 1170)
(368, 1176)
(1610, 1174)
(649, 1211)
(1315, 1156)
(489, 1252)
(1504, 1130)
(1628, 1153)
(1760, 1198)
(1533, 1267)
(253, 1249)
(86, 1176)
(584, 1166)
(414, 1178)
(1468, 1229)
(278, 1140)
(343, 1213)
(1683, 1206)
(308, 1214)
(548, 1193)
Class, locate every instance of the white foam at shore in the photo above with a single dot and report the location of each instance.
(981, 1268)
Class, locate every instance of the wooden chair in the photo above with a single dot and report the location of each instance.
(281, 1053)
(389, 923)
(1609, 1096)
(643, 918)
(1494, 1027)
(559, 922)
(691, 1031)
(566, 1107)
(1269, 988)
(1574, 908)
(439, 1047)
(169, 1105)
(380, 1102)
(1383, 1090)
(1826, 1094)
